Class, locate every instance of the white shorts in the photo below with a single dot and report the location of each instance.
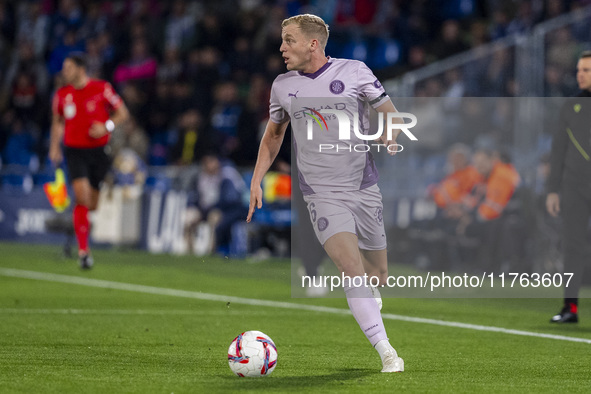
(358, 212)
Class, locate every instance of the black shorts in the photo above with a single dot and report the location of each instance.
(91, 163)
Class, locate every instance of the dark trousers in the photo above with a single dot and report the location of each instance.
(575, 206)
(223, 231)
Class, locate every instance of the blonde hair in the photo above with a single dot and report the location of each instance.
(311, 25)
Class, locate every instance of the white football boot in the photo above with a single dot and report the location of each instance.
(391, 362)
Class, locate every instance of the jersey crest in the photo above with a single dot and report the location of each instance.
(336, 87)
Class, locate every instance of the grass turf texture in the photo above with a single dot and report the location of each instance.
(121, 341)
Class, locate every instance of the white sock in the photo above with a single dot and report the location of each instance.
(384, 346)
(365, 310)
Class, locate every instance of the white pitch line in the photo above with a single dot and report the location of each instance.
(124, 312)
(76, 280)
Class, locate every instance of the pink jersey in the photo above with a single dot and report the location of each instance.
(346, 85)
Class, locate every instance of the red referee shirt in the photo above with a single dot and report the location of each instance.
(81, 108)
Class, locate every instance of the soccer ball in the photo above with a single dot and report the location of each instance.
(252, 354)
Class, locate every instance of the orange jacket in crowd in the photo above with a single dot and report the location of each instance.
(454, 187)
(500, 186)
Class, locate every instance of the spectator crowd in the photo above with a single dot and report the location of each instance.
(196, 75)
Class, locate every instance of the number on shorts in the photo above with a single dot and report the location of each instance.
(312, 212)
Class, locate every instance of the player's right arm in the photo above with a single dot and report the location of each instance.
(57, 133)
(268, 150)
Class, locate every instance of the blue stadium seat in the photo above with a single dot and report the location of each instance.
(357, 50)
(44, 176)
(158, 182)
(384, 53)
(17, 182)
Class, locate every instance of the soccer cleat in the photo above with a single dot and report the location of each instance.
(376, 294)
(85, 261)
(392, 363)
(568, 314)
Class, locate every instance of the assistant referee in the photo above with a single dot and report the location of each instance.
(569, 186)
(85, 113)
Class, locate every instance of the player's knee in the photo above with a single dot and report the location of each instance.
(81, 200)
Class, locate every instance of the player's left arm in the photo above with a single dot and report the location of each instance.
(372, 91)
(119, 115)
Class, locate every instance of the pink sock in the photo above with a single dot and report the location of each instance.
(365, 310)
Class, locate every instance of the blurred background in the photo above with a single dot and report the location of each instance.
(196, 76)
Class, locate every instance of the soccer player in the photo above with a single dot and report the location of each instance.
(569, 186)
(339, 187)
(85, 113)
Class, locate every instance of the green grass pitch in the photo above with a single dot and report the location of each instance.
(71, 338)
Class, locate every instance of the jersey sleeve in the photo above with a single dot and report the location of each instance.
(370, 88)
(112, 98)
(56, 105)
(277, 113)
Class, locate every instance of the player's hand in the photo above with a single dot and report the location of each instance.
(553, 204)
(98, 130)
(55, 155)
(256, 201)
(384, 140)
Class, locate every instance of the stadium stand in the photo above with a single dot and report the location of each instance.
(196, 76)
